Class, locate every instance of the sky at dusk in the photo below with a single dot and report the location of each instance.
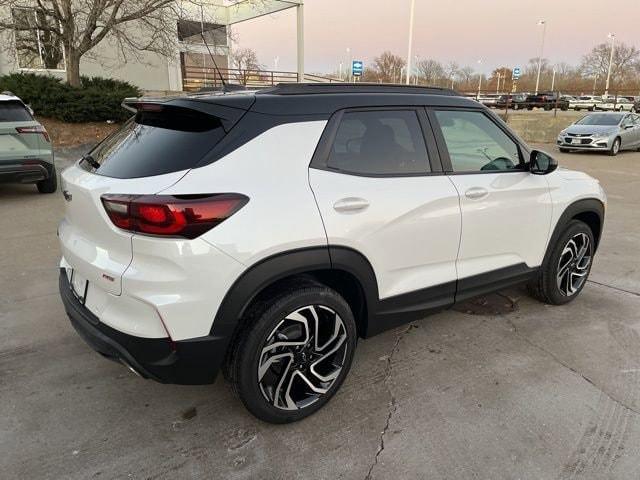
(500, 32)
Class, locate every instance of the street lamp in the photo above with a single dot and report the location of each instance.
(544, 32)
(553, 80)
(479, 79)
(411, 13)
(612, 36)
(350, 65)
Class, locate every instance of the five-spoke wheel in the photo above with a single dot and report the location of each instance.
(574, 264)
(302, 357)
(295, 353)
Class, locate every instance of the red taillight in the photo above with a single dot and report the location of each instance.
(34, 129)
(185, 216)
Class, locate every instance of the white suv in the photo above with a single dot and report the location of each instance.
(262, 233)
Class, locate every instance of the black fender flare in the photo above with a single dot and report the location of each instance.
(286, 264)
(587, 205)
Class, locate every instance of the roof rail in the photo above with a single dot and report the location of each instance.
(329, 88)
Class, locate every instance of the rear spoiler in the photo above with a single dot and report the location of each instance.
(228, 110)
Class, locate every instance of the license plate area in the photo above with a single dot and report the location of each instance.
(79, 285)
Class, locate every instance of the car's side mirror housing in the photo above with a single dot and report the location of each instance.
(541, 163)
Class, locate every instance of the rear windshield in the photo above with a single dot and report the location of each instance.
(155, 143)
(14, 111)
(600, 119)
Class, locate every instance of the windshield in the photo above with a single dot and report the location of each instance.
(600, 119)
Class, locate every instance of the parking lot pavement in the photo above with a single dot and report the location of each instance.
(501, 387)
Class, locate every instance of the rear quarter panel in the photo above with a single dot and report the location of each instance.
(273, 171)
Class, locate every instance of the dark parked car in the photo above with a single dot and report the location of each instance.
(515, 101)
(636, 106)
(548, 101)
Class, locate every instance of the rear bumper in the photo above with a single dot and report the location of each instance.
(24, 171)
(186, 362)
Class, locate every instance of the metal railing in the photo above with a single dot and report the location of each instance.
(194, 78)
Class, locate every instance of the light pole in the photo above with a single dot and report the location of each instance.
(275, 63)
(595, 81)
(544, 32)
(612, 36)
(350, 65)
(411, 13)
(553, 80)
(479, 79)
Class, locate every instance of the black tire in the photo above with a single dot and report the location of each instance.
(545, 287)
(49, 185)
(564, 150)
(615, 148)
(591, 109)
(265, 325)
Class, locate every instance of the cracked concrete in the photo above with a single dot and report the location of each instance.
(504, 388)
(392, 402)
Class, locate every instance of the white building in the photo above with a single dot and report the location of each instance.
(189, 68)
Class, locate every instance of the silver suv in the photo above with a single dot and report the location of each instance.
(26, 153)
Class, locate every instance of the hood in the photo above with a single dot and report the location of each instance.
(590, 129)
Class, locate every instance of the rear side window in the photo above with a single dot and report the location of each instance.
(14, 111)
(156, 143)
(379, 143)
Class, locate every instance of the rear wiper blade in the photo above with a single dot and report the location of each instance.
(91, 161)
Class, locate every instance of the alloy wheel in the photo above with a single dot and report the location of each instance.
(574, 263)
(302, 357)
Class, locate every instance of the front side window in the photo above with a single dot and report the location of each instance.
(475, 143)
(37, 39)
(381, 142)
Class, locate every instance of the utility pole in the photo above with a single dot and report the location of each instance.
(612, 36)
(411, 14)
(544, 32)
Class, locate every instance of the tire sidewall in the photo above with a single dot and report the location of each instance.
(551, 264)
(249, 352)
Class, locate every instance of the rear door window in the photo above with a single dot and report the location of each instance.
(380, 142)
(155, 143)
(14, 111)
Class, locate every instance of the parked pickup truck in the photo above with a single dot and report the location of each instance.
(548, 101)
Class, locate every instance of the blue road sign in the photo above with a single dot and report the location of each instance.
(357, 67)
(516, 73)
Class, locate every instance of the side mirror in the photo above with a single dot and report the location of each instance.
(541, 163)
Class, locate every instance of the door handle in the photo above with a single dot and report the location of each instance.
(476, 193)
(350, 204)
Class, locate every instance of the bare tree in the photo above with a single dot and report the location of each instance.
(246, 61)
(452, 70)
(388, 67)
(78, 26)
(626, 62)
(430, 71)
(466, 74)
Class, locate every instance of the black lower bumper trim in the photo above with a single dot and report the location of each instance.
(24, 171)
(187, 362)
